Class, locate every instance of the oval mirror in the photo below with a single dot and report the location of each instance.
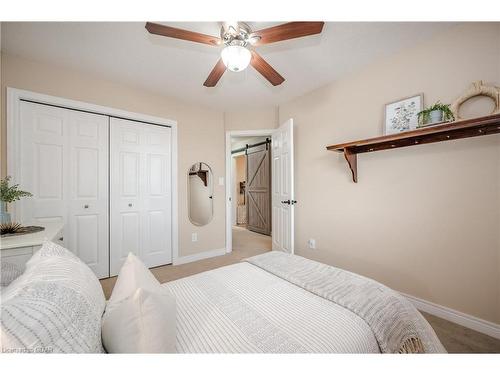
(200, 194)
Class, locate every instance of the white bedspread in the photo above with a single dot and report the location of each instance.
(244, 309)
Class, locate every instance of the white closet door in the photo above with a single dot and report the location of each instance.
(141, 211)
(88, 194)
(64, 163)
(44, 154)
(157, 196)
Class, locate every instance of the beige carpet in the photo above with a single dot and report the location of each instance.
(245, 240)
(458, 339)
(455, 338)
(245, 244)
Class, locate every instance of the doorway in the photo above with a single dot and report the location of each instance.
(281, 203)
(249, 183)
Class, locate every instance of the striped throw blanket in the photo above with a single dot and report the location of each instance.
(396, 324)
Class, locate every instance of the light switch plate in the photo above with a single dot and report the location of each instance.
(194, 237)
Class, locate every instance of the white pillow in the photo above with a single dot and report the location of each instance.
(141, 323)
(140, 314)
(133, 274)
(56, 305)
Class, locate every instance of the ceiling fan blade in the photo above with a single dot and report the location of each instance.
(215, 74)
(266, 70)
(287, 31)
(172, 32)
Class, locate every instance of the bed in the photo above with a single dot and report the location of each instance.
(270, 303)
(280, 303)
(244, 309)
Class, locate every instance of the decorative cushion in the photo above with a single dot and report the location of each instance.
(133, 274)
(56, 305)
(8, 273)
(141, 323)
(140, 314)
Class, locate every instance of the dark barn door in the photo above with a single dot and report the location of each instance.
(259, 189)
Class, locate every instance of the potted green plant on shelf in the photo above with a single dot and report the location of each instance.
(9, 194)
(436, 113)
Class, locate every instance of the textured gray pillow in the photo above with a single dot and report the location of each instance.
(8, 273)
(56, 305)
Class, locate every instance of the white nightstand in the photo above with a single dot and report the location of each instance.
(19, 249)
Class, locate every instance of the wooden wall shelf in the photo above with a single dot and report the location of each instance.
(453, 130)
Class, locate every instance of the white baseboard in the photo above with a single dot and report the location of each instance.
(466, 320)
(199, 256)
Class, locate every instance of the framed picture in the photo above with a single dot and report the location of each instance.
(401, 116)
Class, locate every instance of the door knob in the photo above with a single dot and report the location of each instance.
(130, 204)
(286, 202)
(86, 206)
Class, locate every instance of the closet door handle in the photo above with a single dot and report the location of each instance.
(86, 206)
(130, 204)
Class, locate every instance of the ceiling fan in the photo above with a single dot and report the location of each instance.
(238, 39)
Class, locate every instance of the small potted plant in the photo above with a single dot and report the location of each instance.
(9, 194)
(436, 113)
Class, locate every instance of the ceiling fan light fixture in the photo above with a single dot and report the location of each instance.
(236, 58)
(236, 37)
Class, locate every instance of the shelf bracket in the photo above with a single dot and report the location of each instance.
(352, 160)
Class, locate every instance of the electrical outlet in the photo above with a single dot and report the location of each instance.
(311, 243)
(194, 237)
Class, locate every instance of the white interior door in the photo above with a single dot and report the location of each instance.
(140, 202)
(64, 163)
(283, 198)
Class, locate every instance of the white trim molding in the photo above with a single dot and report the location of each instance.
(229, 193)
(199, 256)
(14, 98)
(466, 320)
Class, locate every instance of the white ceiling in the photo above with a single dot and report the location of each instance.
(125, 52)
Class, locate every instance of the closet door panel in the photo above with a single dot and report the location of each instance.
(140, 193)
(44, 157)
(86, 230)
(129, 166)
(157, 196)
(88, 218)
(86, 170)
(64, 163)
(48, 165)
(130, 233)
(125, 200)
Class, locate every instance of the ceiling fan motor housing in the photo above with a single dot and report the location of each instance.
(237, 34)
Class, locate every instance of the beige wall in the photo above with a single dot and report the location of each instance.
(200, 131)
(261, 118)
(424, 220)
